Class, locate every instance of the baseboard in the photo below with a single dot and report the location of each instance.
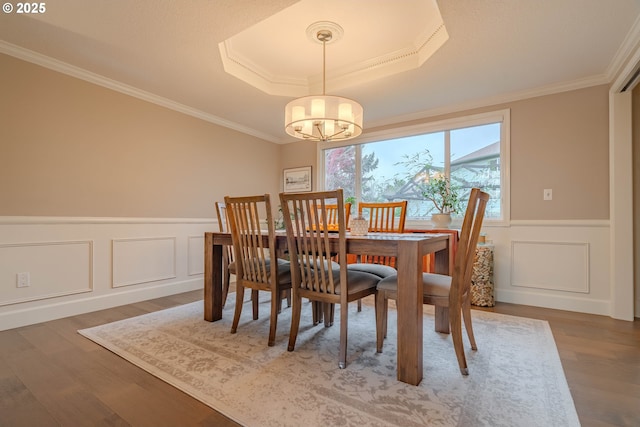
(558, 302)
(57, 310)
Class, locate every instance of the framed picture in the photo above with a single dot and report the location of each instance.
(297, 180)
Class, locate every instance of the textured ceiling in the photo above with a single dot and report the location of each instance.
(167, 52)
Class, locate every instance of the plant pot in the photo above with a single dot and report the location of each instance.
(441, 220)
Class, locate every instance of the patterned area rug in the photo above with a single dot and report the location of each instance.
(515, 378)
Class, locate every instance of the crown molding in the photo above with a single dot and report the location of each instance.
(629, 46)
(88, 76)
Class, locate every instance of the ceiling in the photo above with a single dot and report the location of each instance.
(168, 52)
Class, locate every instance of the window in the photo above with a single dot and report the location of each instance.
(471, 151)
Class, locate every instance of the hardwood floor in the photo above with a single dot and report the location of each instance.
(52, 376)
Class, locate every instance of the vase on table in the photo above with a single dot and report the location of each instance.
(441, 220)
(359, 226)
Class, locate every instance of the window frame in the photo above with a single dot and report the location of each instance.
(502, 116)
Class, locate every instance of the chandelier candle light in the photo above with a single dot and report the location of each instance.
(323, 117)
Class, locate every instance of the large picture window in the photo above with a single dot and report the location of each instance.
(470, 151)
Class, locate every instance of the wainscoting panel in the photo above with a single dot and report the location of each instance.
(51, 269)
(82, 264)
(560, 266)
(195, 255)
(143, 260)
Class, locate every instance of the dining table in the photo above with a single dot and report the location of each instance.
(409, 250)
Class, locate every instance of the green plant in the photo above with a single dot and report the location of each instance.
(278, 221)
(443, 193)
(431, 185)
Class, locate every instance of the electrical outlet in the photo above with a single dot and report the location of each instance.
(547, 194)
(23, 280)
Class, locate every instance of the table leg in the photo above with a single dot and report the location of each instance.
(444, 262)
(410, 321)
(212, 279)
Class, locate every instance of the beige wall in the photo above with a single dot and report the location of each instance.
(71, 148)
(561, 142)
(65, 154)
(297, 154)
(558, 141)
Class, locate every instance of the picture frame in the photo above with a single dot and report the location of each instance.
(297, 180)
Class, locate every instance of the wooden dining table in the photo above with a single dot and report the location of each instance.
(409, 250)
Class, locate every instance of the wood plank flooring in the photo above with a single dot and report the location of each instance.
(52, 376)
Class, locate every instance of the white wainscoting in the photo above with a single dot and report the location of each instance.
(143, 260)
(196, 261)
(54, 269)
(555, 264)
(560, 266)
(79, 265)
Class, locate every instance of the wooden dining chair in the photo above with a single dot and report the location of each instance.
(384, 217)
(449, 294)
(314, 274)
(257, 266)
(332, 215)
(228, 262)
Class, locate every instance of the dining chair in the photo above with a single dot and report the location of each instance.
(332, 214)
(314, 274)
(257, 266)
(449, 294)
(384, 217)
(228, 262)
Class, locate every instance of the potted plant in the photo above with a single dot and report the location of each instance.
(445, 197)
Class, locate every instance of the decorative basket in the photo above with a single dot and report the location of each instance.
(482, 277)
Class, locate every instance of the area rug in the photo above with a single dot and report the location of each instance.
(515, 378)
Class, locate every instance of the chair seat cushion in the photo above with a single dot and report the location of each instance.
(359, 281)
(437, 285)
(284, 270)
(379, 270)
(334, 265)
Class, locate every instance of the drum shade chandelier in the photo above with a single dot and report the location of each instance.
(323, 117)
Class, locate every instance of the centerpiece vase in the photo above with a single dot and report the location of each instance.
(441, 220)
(359, 226)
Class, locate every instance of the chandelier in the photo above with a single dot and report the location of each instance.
(323, 117)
